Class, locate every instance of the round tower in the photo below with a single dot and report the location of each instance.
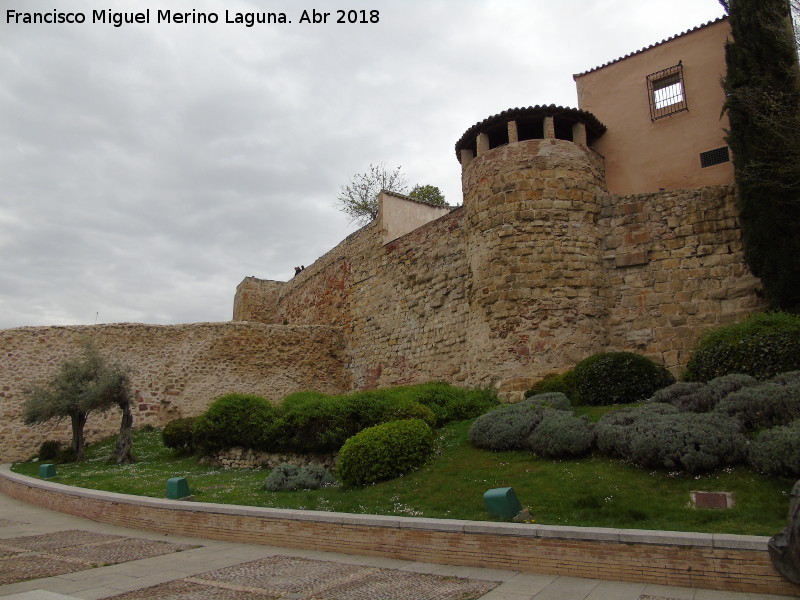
(533, 188)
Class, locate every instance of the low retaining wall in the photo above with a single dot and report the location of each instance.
(714, 561)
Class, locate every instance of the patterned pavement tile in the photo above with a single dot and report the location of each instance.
(59, 539)
(400, 585)
(51, 554)
(32, 566)
(186, 590)
(282, 575)
(305, 579)
(119, 550)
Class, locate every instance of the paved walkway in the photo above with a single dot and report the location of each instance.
(64, 552)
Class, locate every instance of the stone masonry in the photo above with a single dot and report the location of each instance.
(538, 269)
(178, 370)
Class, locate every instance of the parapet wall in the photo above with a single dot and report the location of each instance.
(178, 370)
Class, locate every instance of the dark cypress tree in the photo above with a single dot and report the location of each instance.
(762, 87)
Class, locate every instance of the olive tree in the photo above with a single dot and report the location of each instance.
(85, 383)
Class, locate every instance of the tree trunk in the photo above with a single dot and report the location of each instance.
(123, 453)
(78, 421)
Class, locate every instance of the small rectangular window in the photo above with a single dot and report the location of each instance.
(717, 156)
(666, 92)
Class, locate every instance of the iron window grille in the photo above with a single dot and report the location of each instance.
(666, 92)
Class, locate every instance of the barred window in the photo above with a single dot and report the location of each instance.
(666, 92)
(717, 156)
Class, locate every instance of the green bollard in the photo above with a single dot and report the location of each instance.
(177, 488)
(502, 502)
(47, 471)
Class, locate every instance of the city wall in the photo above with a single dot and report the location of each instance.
(177, 370)
(540, 268)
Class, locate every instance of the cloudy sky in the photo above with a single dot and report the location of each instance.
(146, 169)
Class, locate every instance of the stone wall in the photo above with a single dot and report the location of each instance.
(540, 268)
(674, 268)
(257, 300)
(178, 370)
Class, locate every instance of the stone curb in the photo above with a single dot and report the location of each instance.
(633, 536)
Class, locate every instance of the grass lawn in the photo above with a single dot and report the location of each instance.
(594, 491)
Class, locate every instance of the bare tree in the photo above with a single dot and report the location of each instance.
(359, 198)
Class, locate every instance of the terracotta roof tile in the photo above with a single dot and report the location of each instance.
(677, 35)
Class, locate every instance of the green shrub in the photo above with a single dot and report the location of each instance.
(471, 403)
(408, 409)
(48, 451)
(450, 403)
(236, 420)
(561, 435)
(385, 451)
(310, 424)
(301, 397)
(287, 476)
(618, 377)
(555, 382)
(614, 431)
(178, 434)
(323, 423)
(776, 451)
(762, 406)
(67, 454)
(686, 441)
(555, 400)
(507, 427)
(762, 346)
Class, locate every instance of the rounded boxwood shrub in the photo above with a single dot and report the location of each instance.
(385, 451)
(561, 435)
(178, 435)
(287, 476)
(236, 420)
(762, 346)
(776, 451)
(618, 377)
(694, 442)
(408, 409)
(507, 427)
(762, 406)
